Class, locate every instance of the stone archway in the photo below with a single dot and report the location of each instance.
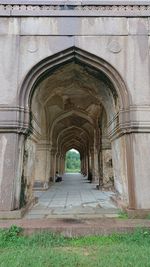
(75, 99)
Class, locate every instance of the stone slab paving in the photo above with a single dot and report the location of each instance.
(73, 197)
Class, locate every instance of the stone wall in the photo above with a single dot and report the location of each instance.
(117, 35)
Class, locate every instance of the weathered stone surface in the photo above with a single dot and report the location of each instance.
(74, 26)
(119, 155)
(74, 76)
(10, 176)
(142, 169)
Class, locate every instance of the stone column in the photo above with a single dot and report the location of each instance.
(61, 165)
(87, 164)
(58, 162)
(139, 170)
(96, 167)
(81, 163)
(120, 166)
(53, 164)
(11, 159)
(95, 158)
(90, 161)
(132, 170)
(42, 169)
(105, 160)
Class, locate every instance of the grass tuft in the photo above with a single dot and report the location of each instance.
(122, 215)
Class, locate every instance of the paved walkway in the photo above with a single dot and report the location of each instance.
(73, 197)
(75, 208)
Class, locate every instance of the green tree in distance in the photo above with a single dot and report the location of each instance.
(72, 161)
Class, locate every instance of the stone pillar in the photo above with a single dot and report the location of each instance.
(139, 170)
(132, 170)
(87, 160)
(86, 164)
(81, 163)
(48, 164)
(106, 166)
(96, 167)
(11, 159)
(29, 168)
(42, 169)
(90, 161)
(64, 164)
(53, 164)
(120, 166)
(95, 157)
(61, 165)
(58, 162)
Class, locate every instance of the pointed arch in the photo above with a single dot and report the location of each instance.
(42, 69)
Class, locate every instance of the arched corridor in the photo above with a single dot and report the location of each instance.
(74, 76)
(72, 114)
(75, 104)
(73, 197)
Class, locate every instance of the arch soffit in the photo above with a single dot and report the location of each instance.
(72, 139)
(41, 69)
(73, 128)
(66, 115)
(73, 145)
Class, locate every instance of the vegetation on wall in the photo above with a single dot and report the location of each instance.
(72, 161)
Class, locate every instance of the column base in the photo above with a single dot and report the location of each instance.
(138, 213)
(17, 214)
(41, 186)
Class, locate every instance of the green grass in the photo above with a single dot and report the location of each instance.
(50, 250)
(122, 215)
(148, 217)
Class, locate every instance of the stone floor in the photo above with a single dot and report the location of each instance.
(72, 198)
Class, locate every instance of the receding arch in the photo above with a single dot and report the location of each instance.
(42, 69)
(65, 115)
(73, 128)
(69, 114)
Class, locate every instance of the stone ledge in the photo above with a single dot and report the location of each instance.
(17, 214)
(138, 213)
(78, 227)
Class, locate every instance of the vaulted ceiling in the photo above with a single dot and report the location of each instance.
(68, 103)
